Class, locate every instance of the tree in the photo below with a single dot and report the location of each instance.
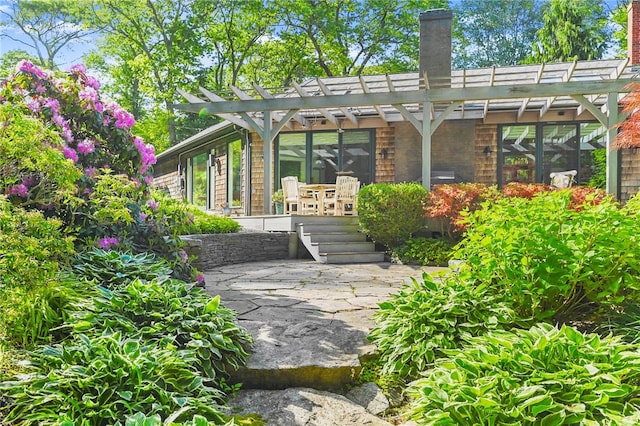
(9, 60)
(573, 30)
(494, 32)
(629, 134)
(50, 26)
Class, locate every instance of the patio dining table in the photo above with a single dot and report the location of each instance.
(319, 192)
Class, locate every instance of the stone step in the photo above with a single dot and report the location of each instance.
(350, 257)
(330, 227)
(337, 237)
(345, 247)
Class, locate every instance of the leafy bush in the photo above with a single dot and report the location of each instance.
(524, 190)
(32, 247)
(424, 251)
(105, 379)
(391, 213)
(416, 325)
(445, 203)
(552, 261)
(170, 312)
(191, 219)
(540, 376)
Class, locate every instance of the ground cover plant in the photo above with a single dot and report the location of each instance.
(540, 376)
(102, 318)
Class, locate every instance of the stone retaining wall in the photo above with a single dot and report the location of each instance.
(226, 249)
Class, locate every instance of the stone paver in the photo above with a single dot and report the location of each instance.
(310, 320)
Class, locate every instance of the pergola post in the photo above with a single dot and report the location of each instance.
(613, 155)
(268, 143)
(426, 145)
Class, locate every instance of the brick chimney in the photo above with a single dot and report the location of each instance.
(435, 46)
(633, 31)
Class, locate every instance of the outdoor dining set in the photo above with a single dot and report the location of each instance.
(321, 199)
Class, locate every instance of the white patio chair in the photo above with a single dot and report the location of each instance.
(563, 179)
(290, 192)
(343, 201)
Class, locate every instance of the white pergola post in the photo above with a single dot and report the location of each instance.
(613, 163)
(426, 145)
(268, 143)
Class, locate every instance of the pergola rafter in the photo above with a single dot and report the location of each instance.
(593, 86)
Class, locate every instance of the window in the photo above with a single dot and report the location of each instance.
(197, 179)
(234, 171)
(318, 157)
(531, 152)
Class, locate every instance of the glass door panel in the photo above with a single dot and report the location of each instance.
(356, 155)
(559, 149)
(292, 156)
(324, 158)
(518, 154)
(198, 195)
(593, 155)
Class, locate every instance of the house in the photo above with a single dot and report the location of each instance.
(491, 125)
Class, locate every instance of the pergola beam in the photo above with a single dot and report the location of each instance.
(453, 94)
(345, 111)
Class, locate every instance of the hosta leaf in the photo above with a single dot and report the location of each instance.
(213, 305)
(553, 419)
(526, 392)
(612, 390)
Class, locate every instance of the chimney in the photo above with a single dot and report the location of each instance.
(633, 32)
(435, 46)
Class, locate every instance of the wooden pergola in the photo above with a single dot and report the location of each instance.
(593, 86)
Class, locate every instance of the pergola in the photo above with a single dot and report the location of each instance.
(593, 86)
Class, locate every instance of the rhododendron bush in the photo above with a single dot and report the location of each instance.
(69, 152)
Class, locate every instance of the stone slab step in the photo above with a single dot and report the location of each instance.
(350, 257)
(337, 237)
(345, 247)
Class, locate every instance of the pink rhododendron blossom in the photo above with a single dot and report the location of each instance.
(54, 106)
(26, 66)
(59, 120)
(184, 257)
(99, 107)
(124, 120)
(88, 94)
(33, 104)
(70, 153)
(67, 134)
(28, 181)
(148, 179)
(78, 68)
(92, 82)
(108, 242)
(20, 190)
(86, 146)
(41, 89)
(143, 216)
(200, 278)
(152, 204)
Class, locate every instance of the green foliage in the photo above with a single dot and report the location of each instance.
(106, 378)
(33, 169)
(425, 318)
(599, 161)
(391, 213)
(32, 247)
(540, 376)
(573, 30)
(189, 219)
(494, 32)
(30, 316)
(113, 269)
(424, 251)
(175, 314)
(550, 260)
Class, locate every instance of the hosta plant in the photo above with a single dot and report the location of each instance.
(541, 376)
(112, 269)
(171, 312)
(105, 379)
(424, 251)
(427, 317)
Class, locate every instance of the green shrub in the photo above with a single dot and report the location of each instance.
(105, 379)
(424, 251)
(416, 325)
(552, 261)
(32, 248)
(192, 220)
(171, 312)
(391, 213)
(540, 376)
